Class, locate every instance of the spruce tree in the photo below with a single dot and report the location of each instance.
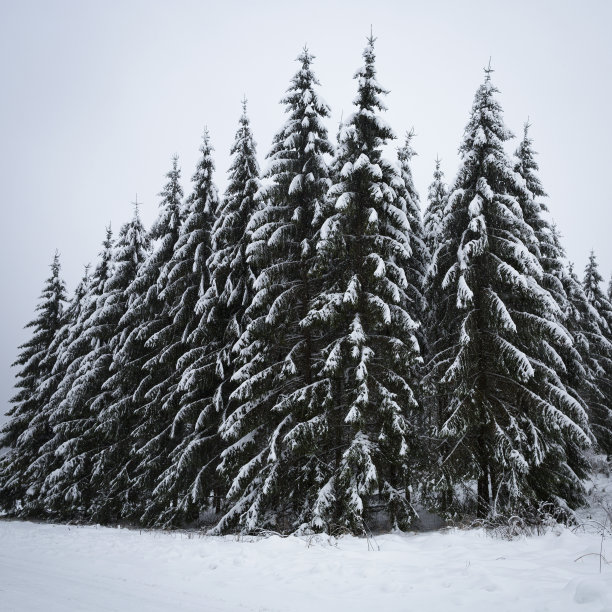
(183, 487)
(600, 349)
(64, 467)
(150, 349)
(572, 362)
(209, 365)
(272, 459)
(28, 428)
(434, 213)
(419, 253)
(363, 430)
(121, 359)
(90, 482)
(46, 459)
(508, 418)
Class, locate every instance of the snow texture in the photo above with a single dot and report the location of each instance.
(54, 567)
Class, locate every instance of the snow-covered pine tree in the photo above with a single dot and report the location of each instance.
(419, 253)
(572, 363)
(111, 400)
(183, 488)
(600, 348)
(363, 433)
(87, 395)
(28, 428)
(509, 417)
(63, 467)
(434, 213)
(433, 402)
(272, 458)
(48, 388)
(208, 367)
(149, 319)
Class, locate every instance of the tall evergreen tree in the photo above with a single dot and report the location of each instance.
(112, 401)
(28, 428)
(600, 349)
(419, 254)
(363, 430)
(209, 366)
(434, 213)
(571, 362)
(152, 342)
(183, 487)
(508, 417)
(272, 460)
(64, 467)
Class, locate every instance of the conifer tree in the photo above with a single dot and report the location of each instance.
(434, 213)
(508, 418)
(599, 343)
(49, 387)
(112, 399)
(433, 402)
(419, 254)
(149, 344)
(182, 487)
(572, 363)
(209, 365)
(28, 428)
(64, 469)
(272, 457)
(363, 430)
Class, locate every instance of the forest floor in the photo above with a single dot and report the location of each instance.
(47, 567)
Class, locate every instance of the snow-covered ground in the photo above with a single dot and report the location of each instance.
(46, 567)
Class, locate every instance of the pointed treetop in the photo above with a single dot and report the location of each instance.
(136, 204)
(406, 151)
(488, 70)
(244, 104)
(305, 56)
(371, 39)
(55, 265)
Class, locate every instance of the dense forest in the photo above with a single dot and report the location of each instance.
(317, 348)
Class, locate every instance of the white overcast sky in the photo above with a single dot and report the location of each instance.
(97, 97)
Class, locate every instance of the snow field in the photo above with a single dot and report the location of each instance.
(50, 568)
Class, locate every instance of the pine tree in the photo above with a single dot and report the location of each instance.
(433, 402)
(183, 487)
(28, 429)
(272, 459)
(434, 213)
(572, 363)
(209, 365)
(419, 253)
(112, 398)
(49, 387)
(64, 465)
(599, 345)
(363, 429)
(149, 349)
(509, 418)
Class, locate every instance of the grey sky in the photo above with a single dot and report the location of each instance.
(97, 96)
